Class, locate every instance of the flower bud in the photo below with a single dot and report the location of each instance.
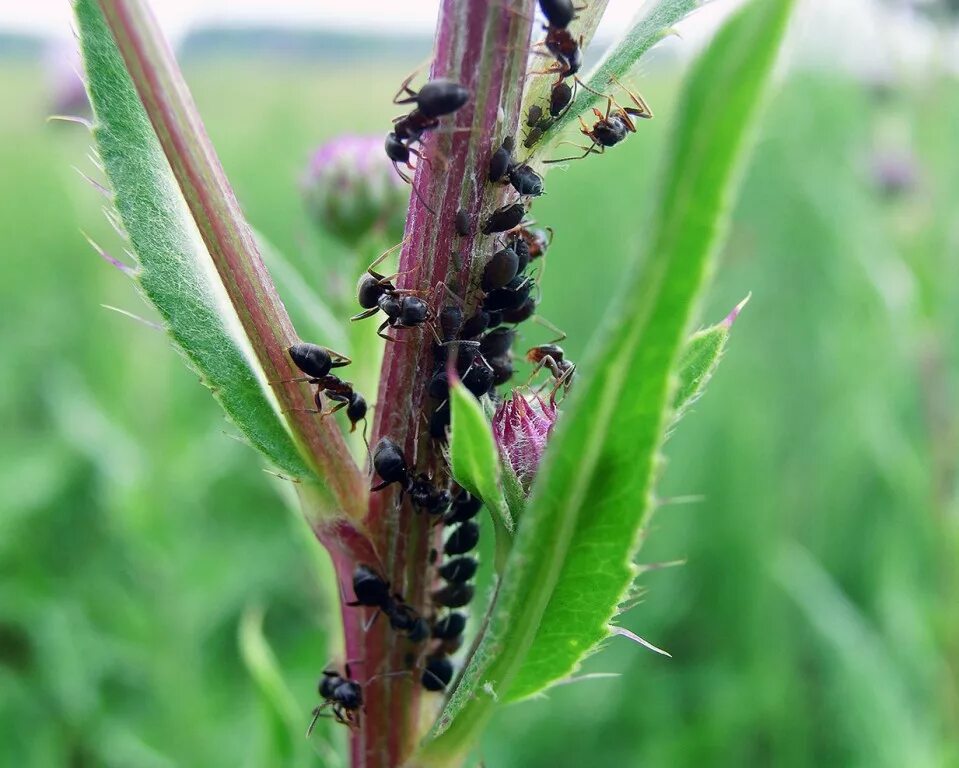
(522, 426)
(351, 190)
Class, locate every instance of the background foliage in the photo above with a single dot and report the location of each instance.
(815, 621)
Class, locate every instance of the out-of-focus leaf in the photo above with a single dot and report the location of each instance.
(175, 272)
(284, 721)
(571, 561)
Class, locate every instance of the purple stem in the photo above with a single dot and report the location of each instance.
(484, 45)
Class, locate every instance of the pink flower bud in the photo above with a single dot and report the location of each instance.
(351, 190)
(522, 426)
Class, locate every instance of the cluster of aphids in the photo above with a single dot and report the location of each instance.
(456, 511)
(565, 49)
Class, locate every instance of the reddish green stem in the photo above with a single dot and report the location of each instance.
(228, 238)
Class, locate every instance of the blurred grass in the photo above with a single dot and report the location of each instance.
(135, 533)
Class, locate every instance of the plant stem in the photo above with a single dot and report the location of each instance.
(484, 45)
(167, 101)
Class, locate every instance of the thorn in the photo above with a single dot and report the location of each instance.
(282, 477)
(731, 317)
(71, 119)
(590, 676)
(646, 567)
(125, 313)
(114, 219)
(623, 632)
(124, 268)
(671, 501)
(95, 184)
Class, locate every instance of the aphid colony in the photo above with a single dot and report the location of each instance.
(477, 345)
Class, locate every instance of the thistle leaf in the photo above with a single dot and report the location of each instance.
(174, 269)
(571, 561)
(699, 361)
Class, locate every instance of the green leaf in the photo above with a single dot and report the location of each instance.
(653, 23)
(175, 273)
(699, 361)
(475, 460)
(285, 721)
(571, 562)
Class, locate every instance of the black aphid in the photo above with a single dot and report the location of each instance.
(463, 539)
(438, 673)
(504, 218)
(454, 595)
(459, 569)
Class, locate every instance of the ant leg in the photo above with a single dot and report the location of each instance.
(547, 362)
(379, 332)
(588, 150)
(317, 714)
(366, 628)
(298, 379)
(644, 110)
(405, 88)
(538, 319)
(340, 359)
(365, 314)
(381, 257)
(334, 409)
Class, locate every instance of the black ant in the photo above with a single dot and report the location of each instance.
(315, 361)
(343, 394)
(537, 241)
(341, 694)
(434, 100)
(390, 464)
(376, 292)
(559, 41)
(428, 497)
(552, 357)
(559, 13)
(613, 127)
(373, 591)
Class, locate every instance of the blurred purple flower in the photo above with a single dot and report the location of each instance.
(351, 190)
(522, 426)
(895, 172)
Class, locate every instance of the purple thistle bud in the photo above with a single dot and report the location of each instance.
(351, 190)
(522, 426)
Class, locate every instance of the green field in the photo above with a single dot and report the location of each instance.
(816, 620)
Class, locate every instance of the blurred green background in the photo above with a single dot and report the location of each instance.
(816, 620)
